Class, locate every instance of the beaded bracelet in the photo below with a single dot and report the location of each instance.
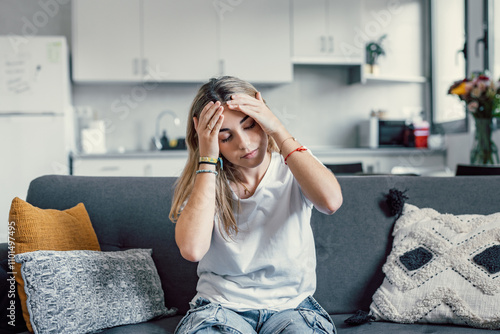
(298, 149)
(210, 161)
(207, 171)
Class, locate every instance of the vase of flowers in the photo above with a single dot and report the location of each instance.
(374, 50)
(482, 98)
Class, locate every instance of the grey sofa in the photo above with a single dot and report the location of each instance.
(351, 245)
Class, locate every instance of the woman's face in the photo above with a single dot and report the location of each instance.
(241, 139)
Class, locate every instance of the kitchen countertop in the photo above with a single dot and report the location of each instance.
(318, 151)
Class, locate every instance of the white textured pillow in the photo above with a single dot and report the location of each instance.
(442, 269)
(84, 291)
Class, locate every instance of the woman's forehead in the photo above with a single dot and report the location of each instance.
(232, 115)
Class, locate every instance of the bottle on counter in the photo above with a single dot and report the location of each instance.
(421, 131)
(421, 134)
(164, 142)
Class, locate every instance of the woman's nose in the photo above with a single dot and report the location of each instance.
(243, 141)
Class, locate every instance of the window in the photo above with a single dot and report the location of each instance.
(448, 64)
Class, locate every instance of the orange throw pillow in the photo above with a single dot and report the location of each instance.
(39, 229)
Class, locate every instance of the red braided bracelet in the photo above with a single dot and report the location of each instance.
(298, 149)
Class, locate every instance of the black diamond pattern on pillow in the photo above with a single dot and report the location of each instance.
(415, 258)
(489, 259)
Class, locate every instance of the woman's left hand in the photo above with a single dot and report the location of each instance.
(257, 109)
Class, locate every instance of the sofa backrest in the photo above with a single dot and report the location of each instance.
(352, 244)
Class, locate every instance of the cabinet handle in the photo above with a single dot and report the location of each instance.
(135, 65)
(110, 168)
(148, 170)
(145, 64)
(221, 67)
(330, 40)
(323, 44)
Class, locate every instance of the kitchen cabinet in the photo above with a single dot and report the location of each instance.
(144, 40)
(255, 41)
(325, 32)
(154, 164)
(106, 40)
(178, 41)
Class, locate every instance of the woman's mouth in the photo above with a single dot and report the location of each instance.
(250, 155)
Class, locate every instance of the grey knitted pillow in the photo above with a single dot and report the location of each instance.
(84, 291)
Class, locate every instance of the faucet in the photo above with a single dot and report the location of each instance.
(177, 121)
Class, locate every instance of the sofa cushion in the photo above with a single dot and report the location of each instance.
(38, 229)
(85, 291)
(443, 268)
(385, 327)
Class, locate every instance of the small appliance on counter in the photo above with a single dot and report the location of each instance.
(376, 132)
(91, 131)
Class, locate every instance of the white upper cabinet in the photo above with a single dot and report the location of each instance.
(325, 31)
(255, 40)
(181, 41)
(309, 28)
(106, 40)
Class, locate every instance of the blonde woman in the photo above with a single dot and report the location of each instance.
(242, 208)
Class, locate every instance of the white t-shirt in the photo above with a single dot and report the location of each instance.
(271, 262)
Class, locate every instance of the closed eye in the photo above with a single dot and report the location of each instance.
(251, 126)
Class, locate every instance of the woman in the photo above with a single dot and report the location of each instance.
(242, 208)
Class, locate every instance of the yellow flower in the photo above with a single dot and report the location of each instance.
(459, 90)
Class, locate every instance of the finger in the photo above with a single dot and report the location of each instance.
(243, 99)
(208, 112)
(258, 96)
(243, 103)
(218, 125)
(203, 112)
(215, 118)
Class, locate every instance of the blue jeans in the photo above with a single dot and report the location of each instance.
(206, 317)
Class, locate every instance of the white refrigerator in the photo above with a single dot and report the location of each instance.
(36, 117)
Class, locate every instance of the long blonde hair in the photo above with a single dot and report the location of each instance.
(216, 89)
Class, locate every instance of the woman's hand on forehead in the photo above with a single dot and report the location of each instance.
(256, 108)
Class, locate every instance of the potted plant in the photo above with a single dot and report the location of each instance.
(374, 49)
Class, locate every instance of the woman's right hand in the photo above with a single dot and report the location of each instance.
(207, 127)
